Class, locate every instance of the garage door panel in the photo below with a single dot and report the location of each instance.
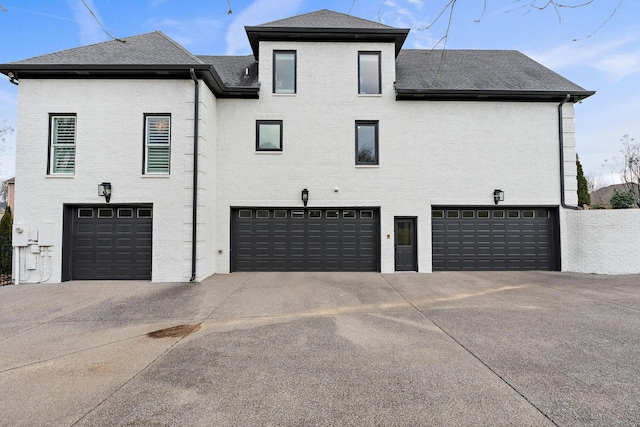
(492, 239)
(107, 246)
(310, 240)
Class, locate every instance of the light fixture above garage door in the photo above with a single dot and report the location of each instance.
(104, 189)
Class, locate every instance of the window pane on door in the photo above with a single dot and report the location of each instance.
(404, 234)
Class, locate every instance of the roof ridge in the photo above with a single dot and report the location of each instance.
(179, 46)
(268, 24)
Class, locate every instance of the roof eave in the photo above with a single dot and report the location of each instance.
(114, 71)
(489, 95)
(303, 34)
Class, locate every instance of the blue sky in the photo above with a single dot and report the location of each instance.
(607, 61)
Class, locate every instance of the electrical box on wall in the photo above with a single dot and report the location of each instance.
(45, 234)
(20, 235)
(31, 262)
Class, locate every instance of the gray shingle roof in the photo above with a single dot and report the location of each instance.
(146, 49)
(484, 70)
(419, 73)
(233, 69)
(324, 19)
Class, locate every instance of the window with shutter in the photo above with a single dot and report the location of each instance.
(62, 151)
(157, 144)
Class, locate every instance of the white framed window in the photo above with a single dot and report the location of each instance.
(157, 151)
(62, 146)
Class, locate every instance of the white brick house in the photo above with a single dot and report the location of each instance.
(399, 153)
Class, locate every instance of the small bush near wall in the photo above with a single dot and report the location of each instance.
(5, 247)
(623, 200)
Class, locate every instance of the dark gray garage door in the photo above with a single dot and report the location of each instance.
(494, 239)
(279, 239)
(107, 243)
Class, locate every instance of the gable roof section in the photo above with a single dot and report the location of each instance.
(151, 55)
(479, 74)
(324, 25)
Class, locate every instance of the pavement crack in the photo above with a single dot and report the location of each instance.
(472, 354)
(229, 296)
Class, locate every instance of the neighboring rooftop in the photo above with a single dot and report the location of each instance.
(602, 196)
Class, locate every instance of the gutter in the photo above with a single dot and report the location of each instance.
(561, 142)
(194, 234)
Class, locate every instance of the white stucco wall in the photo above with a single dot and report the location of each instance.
(109, 147)
(431, 153)
(602, 241)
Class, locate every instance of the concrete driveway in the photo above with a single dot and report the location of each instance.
(494, 349)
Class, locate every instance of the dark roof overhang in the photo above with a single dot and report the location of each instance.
(488, 95)
(205, 72)
(299, 34)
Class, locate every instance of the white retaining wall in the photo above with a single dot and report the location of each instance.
(601, 241)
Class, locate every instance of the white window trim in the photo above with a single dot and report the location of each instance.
(53, 145)
(148, 145)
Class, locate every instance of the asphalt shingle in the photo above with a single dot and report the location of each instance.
(325, 19)
(146, 49)
(233, 69)
(503, 70)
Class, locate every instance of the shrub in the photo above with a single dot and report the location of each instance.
(5, 245)
(623, 200)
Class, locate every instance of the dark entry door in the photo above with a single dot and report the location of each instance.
(405, 243)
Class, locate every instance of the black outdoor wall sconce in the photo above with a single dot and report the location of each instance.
(104, 189)
(305, 197)
(498, 196)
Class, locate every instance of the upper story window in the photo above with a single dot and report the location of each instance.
(366, 143)
(284, 71)
(157, 152)
(62, 144)
(269, 135)
(369, 73)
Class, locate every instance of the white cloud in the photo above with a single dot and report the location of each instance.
(407, 15)
(90, 31)
(613, 57)
(192, 33)
(259, 12)
(620, 65)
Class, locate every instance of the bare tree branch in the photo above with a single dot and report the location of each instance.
(603, 24)
(484, 9)
(100, 23)
(529, 5)
(352, 3)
